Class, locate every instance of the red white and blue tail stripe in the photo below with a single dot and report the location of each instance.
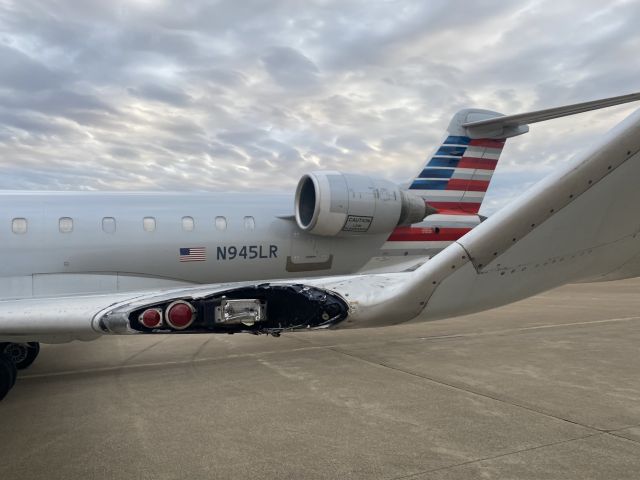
(453, 183)
(456, 178)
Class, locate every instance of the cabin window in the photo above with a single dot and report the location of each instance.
(109, 225)
(19, 225)
(249, 223)
(149, 224)
(221, 223)
(65, 224)
(188, 224)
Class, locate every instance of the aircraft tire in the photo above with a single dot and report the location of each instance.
(22, 354)
(8, 374)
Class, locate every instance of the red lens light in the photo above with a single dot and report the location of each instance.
(180, 315)
(151, 318)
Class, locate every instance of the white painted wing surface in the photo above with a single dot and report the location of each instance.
(53, 320)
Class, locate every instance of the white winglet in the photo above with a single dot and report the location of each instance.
(510, 125)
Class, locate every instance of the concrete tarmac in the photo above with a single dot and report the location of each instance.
(545, 388)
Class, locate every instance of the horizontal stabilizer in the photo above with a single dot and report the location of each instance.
(511, 123)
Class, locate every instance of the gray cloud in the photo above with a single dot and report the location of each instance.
(20, 72)
(230, 95)
(170, 95)
(289, 68)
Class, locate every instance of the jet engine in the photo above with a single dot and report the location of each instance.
(334, 203)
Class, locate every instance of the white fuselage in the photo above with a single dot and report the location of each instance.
(64, 243)
(78, 242)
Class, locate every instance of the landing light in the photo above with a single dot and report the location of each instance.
(180, 315)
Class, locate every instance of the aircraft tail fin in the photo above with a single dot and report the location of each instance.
(457, 176)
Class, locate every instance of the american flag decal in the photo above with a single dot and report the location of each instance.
(193, 254)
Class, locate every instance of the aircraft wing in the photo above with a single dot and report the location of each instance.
(579, 224)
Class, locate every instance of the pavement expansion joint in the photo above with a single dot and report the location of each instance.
(151, 365)
(620, 437)
(145, 349)
(199, 350)
(500, 455)
(467, 390)
(527, 329)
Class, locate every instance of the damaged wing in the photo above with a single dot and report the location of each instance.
(579, 224)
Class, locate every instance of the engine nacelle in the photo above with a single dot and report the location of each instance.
(334, 203)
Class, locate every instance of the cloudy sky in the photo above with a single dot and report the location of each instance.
(248, 95)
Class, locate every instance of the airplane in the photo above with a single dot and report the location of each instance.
(77, 266)
(148, 233)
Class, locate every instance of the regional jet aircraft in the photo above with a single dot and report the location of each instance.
(79, 266)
